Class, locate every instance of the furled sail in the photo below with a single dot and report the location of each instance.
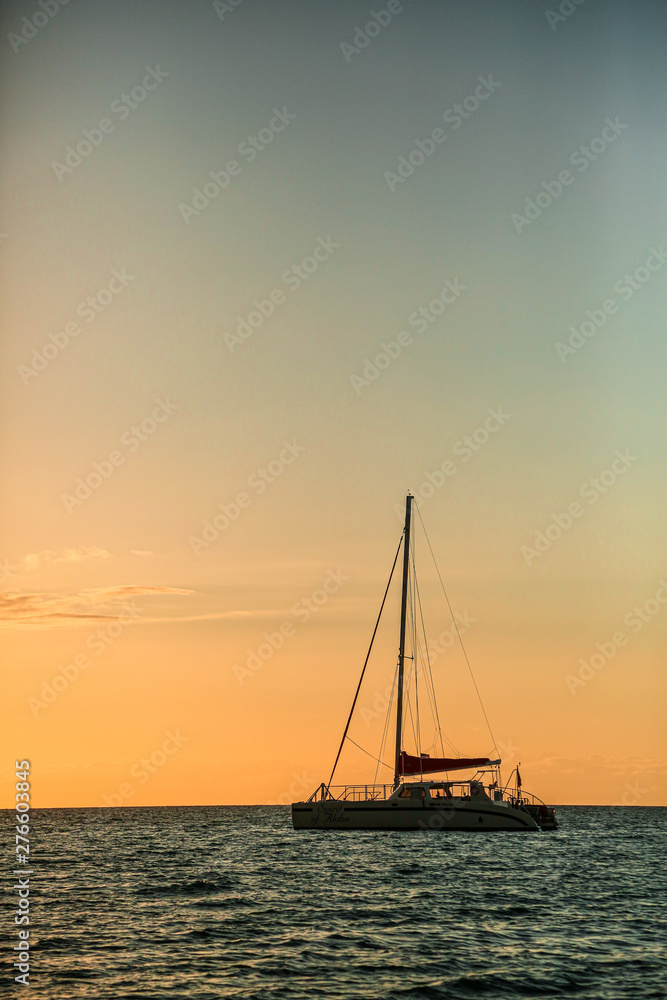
(427, 765)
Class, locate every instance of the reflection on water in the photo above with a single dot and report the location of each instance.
(231, 902)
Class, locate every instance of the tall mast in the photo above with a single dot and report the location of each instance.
(401, 643)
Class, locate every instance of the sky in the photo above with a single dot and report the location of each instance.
(269, 266)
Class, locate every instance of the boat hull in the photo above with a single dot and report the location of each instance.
(464, 816)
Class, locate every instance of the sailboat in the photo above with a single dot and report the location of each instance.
(478, 802)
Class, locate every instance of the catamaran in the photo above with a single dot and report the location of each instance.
(478, 802)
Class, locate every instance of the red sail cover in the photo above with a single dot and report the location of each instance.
(426, 764)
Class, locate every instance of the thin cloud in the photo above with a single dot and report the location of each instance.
(36, 610)
(217, 616)
(43, 611)
(619, 765)
(120, 593)
(34, 560)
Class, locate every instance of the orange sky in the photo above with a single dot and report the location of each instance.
(210, 415)
(152, 694)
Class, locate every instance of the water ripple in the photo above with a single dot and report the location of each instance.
(206, 903)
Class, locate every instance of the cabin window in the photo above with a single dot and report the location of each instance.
(412, 793)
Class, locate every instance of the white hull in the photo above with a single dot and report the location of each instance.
(386, 815)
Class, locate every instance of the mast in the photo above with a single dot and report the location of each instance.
(401, 642)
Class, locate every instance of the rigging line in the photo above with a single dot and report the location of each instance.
(349, 719)
(420, 667)
(430, 695)
(378, 769)
(412, 671)
(366, 752)
(456, 626)
(413, 631)
(428, 663)
(386, 722)
(433, 704)
(408, 700)
(408, 703)
(428, 677)
(425, 668)
(427, 673)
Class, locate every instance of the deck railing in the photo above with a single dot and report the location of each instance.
(352, 793)
(522, 797)
(379, 793)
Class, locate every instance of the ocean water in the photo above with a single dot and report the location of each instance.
(231, 902)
